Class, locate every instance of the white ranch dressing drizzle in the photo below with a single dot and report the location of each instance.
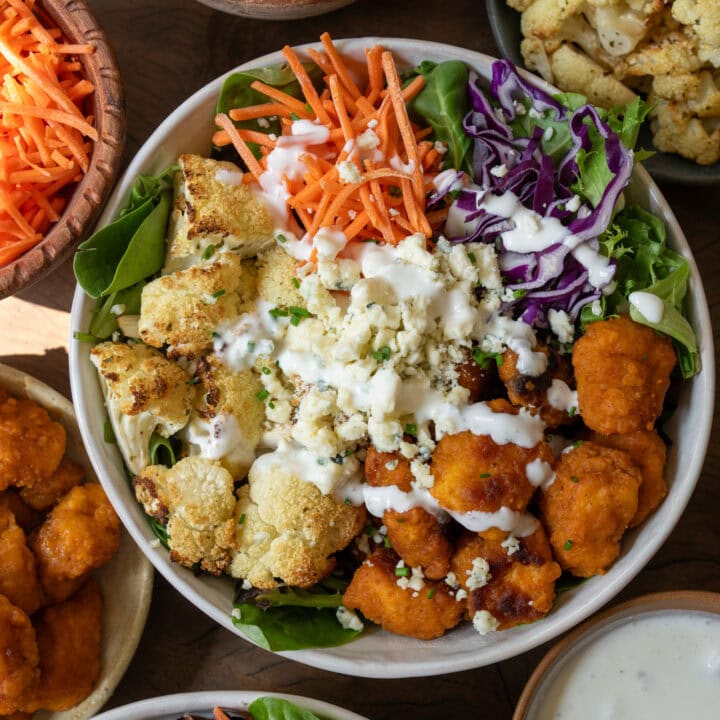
(519, 524)
(219, 438)
(532, 232)
(539, 473)
(650, 306)
(664, 666)
(561, 397)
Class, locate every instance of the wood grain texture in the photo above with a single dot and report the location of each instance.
(276, 9)
(167, 49)
(79, 25)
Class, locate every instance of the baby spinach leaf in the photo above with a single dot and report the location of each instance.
(131, 248)
(291, 628)
(162, 451)
(443, 103)
(237, 93)
(104, 322)
(270, 708)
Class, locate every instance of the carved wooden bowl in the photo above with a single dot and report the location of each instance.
(276, 9)
(79, 25)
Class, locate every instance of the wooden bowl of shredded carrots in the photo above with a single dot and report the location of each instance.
(62, 131)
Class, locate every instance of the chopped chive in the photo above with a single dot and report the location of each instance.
(411, 429)
(215, 334)
(308, 108)
(395, 191)
(193, 381)
(577, 443)
(295, 320)
(454, 193)
(383, 353)
(85, 337)
(251, 346)
(472, 257)
(208, 252)
(278, 312)
(265, 370)
(218, 294)
(242, 519)
(568, 544)
(431, 593)
(262, 395)
(370, 530)
(572, 411)
(517, 294)
(294, 116)
(483, 359)
(387, 543)
(271, 405)
(281, 238)
(347, 501)
(295, 282)
(402, 571)
(574, 479)
(485, 475)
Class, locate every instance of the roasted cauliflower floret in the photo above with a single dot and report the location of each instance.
(287, 530)
(276, 270)
(183, 309)
(226, 422)
(703, 17)
(144, 393)
(213, 207)
(195, 497)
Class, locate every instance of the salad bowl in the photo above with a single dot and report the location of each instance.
(376, 653)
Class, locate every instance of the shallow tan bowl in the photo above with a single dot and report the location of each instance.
(276, 9)
(79, 25)
(690, 600)
(126, 581)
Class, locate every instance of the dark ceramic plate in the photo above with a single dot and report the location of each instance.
(505, 26)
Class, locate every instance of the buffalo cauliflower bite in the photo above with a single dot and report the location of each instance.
(227, 420)
(68, 637)
(213, 207)
(622, 371)
(589, 506)
(183, 309)
(473, 473)
(45, 494)
(418, 608)
(532, 391)
(80, 534)
(417, 537)
(287, 530)
(144, 393)
(647, 450)
(19, 657)
(512, 578)
(18, 575)
(27, 518)
(195, 498)
(31, 443)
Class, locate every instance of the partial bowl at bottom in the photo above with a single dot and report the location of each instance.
(126, 581)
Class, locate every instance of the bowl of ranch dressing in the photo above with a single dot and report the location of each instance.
(657, 656)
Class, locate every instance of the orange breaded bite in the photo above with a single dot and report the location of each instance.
(415, 534)
(27, 518)
(31, 443)
(589, 506)
(44, 494)
(481, 382)
(647, 450)
(68, 636)
(18, 575)
(81, 533)
(417, 608)
(18, 656)
(622, 371)
(509, 577)
(472, 472)
(532, 391)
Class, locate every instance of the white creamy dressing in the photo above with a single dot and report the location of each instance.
(231, 178)
(664, 666)
(650, 306)
(519, 524)
(561, 397)
(219, 438)
(539, 473)
(532, 232)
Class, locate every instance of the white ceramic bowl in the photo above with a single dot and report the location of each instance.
(376, 653)
(126, 581)
(172, 707)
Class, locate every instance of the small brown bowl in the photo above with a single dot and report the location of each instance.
(79, 25)
(276, 9)
(690, 600)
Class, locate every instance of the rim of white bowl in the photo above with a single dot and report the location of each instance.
(517, 640)
(180, 703)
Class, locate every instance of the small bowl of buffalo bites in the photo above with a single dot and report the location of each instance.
(74, 589)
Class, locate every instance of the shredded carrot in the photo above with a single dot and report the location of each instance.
(43, 127)
(370, 178)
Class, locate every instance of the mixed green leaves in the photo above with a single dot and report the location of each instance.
(237, 92)
(442, 104)
(115, 262)
(636, 241)
(272, 708)
(292, 618)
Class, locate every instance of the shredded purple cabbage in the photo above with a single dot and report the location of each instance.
(552, 278)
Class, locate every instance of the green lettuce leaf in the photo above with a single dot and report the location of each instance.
(270, 708)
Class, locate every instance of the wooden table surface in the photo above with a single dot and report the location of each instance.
(168, 49)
